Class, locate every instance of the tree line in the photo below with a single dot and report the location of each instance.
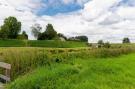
(11, 29)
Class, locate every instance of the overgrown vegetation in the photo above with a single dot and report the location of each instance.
(84, 73)
(25, 59)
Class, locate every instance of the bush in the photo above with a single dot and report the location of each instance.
(126, 40)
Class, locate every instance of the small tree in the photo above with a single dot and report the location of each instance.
(36, 30)
(100, 43)
(126, 40)
(23, 36)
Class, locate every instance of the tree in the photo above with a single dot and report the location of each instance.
(48, 34)
(36, 30)
(11, 28)
(126, 40)
(25, 35)
(100, 43)
(82, 38)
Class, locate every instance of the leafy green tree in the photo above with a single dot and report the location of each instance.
(11, 28)
(126, 40)
(36, 30)
(48, 34)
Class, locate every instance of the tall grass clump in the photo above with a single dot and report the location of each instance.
(24, 60)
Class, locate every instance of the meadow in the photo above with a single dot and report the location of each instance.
(90, 73)
(70, 66)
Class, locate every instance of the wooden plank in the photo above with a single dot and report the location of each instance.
(5, 77)
(5, 65)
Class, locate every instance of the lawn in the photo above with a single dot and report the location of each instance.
(87, 73)
(42, 43)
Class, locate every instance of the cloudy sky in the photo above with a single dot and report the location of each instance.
(110, 20)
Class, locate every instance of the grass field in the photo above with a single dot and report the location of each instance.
(43, 43)
(67, 66)
(89, 73)
(24, 59)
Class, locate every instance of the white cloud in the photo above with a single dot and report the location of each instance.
(96, 20)
(96, 8)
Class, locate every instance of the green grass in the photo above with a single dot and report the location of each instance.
(24, 59)
(12, 43)
(43, 43)
(87, 73)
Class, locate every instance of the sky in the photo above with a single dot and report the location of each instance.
(109, 20)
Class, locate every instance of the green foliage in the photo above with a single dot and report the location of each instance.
(10, 29)
(79, 38)
(107, 45)
(87, 73)
(25, 59)
(82, 38)
(23, 36)
(49, 33)
(126, 40)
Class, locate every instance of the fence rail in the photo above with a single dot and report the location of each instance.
(7, 67)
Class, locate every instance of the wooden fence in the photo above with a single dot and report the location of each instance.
(7, 69)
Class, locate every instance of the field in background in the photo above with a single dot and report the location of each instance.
(43, 43)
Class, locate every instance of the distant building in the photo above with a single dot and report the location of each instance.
(62, 39)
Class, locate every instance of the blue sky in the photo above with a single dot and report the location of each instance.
(53, 7)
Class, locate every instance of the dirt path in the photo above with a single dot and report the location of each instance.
(1, 86)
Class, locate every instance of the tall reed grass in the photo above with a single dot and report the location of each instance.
(26, 59)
